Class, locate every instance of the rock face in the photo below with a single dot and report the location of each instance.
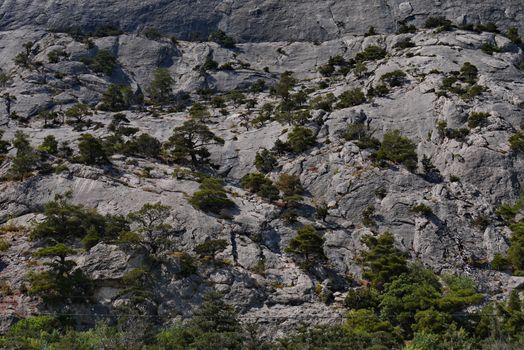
(477, 172)
(255, 20)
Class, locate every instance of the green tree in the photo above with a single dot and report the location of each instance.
(25, 160)
(151, 231)
(308, 243)
(116, 98)
(259, 184)
(103, 62)
(211, 196)
(221, 38)
(189, 142)
(77, 113)
(144, 145)
(300, 139)
(516, 249)
(382, 261)
(91, 150)
(285, 85)
(160, 90)
(351, 98)
(49, 145)
(398, 149)
(61, 282)
(265, 161)
(211, 247)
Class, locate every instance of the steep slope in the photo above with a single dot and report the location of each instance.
(253, 20)
(478, 170)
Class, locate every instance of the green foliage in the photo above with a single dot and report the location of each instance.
(300, 139)
(438, 22)
(221, 38)
(321, 211)
(284, 85)
(362, 298)
(152, 33)
(398, 149)
(371, 53)
(490, 48)
(211, 248)
(4, 245)
(351, 98)
(514, 36)
(394, 79)
(25, 160)
(516, 249)
(150, 227)
(422, 209)
(117, 98)
(199, 111)
(382, 262)
(404, 29)
(259, 184)
(405, 43)
(323, 102)
(469, 73)
(500, 262)
(61, 282)
(211, 197)
(56, 55)
(32, 333)
(365, 323)
(160, 91)
(91, 150)
(477, 119)
(188, 142)
(289, 185)
(64, 221)
(265, 161)
(103, 62)
(360, 134)
(307, 243)
(49, 145)
(516, 142)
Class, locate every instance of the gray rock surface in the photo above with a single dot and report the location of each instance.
(254, 20)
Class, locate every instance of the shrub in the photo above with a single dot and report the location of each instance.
(371, 53)
(404, 29)
(117, 98)
(516, 142)
(422, 209)
(289, 185)
(500, 262)
(188, 142)
(323, 102)
(56, 55)
(362, 298)
(382, 262)
(144, 145)
(516, 249)
(199, 111)
(211, 197)
(514, 36)
(152, 33)
(4, 245)
(398, 149)
(259, 184)
(361, 135)
(211, 248)
(220, 37)
(301, 139)
(469, 73)
(103, 62)
(438, 22)
(368, 216)
(160, 90)
(25, 160)
(284, 85)
(49, 145)
(404, 44)
(307, 243)
(351, 98)
(489, 48)
(394, 79)
(477, 119)
(265, 161)
(91, 150)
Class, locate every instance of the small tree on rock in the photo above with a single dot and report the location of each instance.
(160, 90)
(307, 243)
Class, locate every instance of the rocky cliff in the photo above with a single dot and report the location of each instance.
(253, 20)
(466, 168)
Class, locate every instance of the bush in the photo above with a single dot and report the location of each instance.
(91, 151)
(49, 145)
(152, 33)
(394, 79)
(404, 29)
(211, 248)
(477, 119)
(301, 139)
(220, 37)
(516, 142)
(404, 44)
(117, 98)
(265, 161)
(103, 62)
(307, 243)
(438, 22)
(211, 197)
(500, 262)
(160, 90)
(422, 209)
(398, 149)
(259, 184)
(361, 135)
(516, 249)
(351, 98)
(489, 48)
(25, 160)
(362, 298)
(371, 53)
(382, 262)
(4, 245)
(289, 185)
(144, 145)
(56, 55)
